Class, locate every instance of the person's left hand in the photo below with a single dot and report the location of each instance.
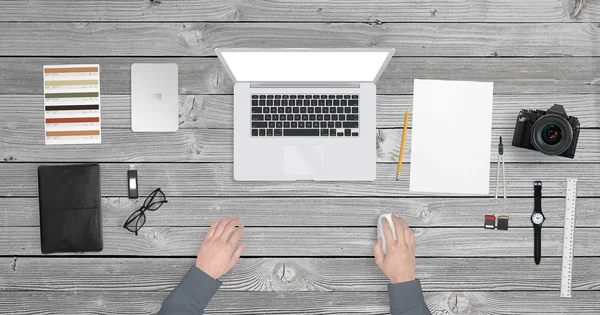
(218, 252)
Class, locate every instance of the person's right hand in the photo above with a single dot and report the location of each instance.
(218, 252)
(399, 262)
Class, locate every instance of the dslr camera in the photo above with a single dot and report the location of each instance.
(551, 132)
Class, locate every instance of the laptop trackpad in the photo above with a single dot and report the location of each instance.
(304, 161)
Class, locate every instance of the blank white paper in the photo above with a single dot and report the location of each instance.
(451, 137)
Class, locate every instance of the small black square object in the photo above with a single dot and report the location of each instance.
(490, 222)
(502, 223)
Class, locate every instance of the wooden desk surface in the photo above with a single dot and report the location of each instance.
(309, 245)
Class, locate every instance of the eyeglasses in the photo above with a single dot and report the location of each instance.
(138, 218)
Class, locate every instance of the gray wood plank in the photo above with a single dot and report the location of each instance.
(292, 274)
(317, 241)
(216, 111)
(467, 303)
(200, 39)
(588, 148)
(344, 212)
(206, 76)
(208, 179)
(216, 145)
(301, 10)
(122, 145)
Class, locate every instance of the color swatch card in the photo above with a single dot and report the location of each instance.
(72, 104)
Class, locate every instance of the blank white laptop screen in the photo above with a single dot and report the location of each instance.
(289, 65)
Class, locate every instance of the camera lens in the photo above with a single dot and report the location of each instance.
(551, 134)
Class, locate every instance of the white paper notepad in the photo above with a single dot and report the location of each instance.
(451, 137)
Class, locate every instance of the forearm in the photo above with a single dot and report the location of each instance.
(192, 294)
(406, 298)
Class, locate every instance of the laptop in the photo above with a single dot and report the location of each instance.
(304, 114)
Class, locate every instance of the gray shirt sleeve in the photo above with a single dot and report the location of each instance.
(192, 294)
(406, 298)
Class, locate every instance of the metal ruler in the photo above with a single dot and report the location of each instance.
(567, 257)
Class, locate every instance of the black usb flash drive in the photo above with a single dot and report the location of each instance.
(132, 182)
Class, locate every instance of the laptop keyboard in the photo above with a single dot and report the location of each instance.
(304, 115)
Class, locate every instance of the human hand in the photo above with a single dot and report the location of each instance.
(218, 252)
(399, 262)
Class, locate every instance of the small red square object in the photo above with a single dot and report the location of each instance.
(490, 222)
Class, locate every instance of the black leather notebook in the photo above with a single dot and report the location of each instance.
(70, 208)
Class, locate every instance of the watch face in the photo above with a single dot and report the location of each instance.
(537, 218)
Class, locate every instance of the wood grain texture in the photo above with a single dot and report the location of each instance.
(317, 241)
(200, 39)
(309, 244)
(216, 145)
(206, 75)
(208, 145)
(375, 11)
(216, 111)
(459, 302)
(588, 148)
(216, 180)
(334, 212)
(292, 274)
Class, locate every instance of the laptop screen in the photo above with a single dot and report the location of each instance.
(305, 65)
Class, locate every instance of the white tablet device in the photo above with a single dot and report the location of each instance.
(154, 97)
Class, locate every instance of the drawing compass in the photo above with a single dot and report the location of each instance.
(500, 163)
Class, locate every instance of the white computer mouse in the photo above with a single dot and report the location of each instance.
(388, 216)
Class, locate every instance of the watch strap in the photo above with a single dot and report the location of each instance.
(537, 243)
(537, 197)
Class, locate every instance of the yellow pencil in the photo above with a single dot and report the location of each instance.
(402, 145)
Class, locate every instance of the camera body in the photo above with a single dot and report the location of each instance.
(550, 132)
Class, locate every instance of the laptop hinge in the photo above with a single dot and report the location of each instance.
(306, 85)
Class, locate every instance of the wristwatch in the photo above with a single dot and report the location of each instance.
(537, 218)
